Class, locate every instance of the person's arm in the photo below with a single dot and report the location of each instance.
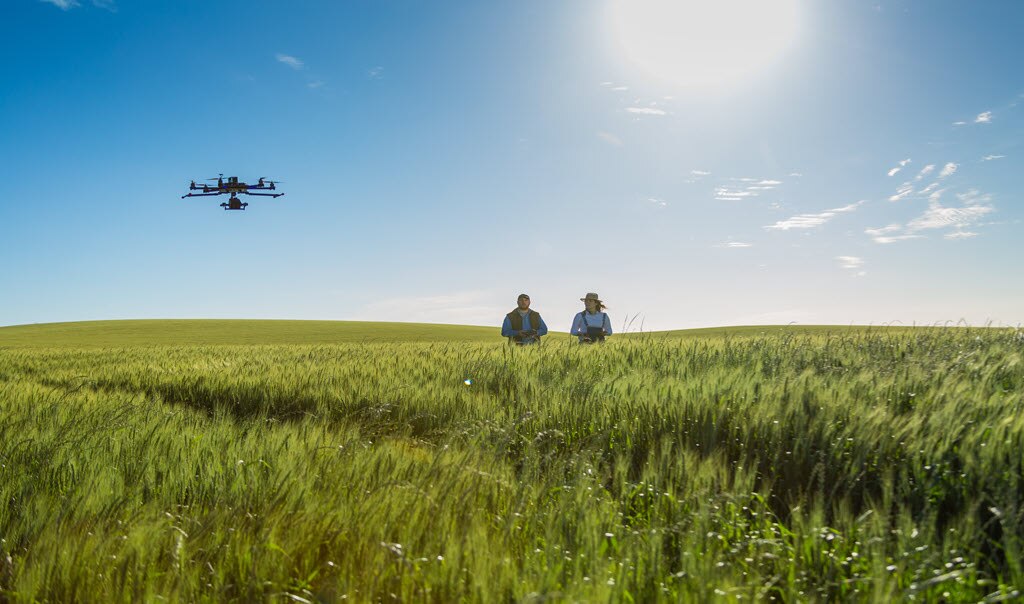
(506, 328)
(543, 329)
(577, 325)
(607, 325)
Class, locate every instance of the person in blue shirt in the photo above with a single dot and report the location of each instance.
(592, 323)
(522, 325)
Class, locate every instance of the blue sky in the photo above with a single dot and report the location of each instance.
(830, 162)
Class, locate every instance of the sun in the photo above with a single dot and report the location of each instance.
(703, 44)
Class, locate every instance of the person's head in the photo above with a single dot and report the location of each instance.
(523, 302)
(592, 302)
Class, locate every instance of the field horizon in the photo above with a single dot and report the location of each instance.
(212, 332)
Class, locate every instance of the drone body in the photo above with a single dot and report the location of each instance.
(232, 186)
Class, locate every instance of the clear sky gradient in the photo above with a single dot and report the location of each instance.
(830, 162)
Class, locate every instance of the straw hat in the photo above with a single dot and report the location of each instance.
(591, 296)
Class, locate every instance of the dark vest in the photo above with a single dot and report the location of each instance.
(517, 319)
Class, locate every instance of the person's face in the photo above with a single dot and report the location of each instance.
(524, 303)
(591, 305)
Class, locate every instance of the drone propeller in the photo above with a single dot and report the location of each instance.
(216, 178)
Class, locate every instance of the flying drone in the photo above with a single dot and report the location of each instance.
(232, 186)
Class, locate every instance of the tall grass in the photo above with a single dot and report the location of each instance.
(862, 464)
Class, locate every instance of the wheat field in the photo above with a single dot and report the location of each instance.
(438, 464)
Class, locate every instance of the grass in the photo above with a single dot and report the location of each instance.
(841, 464)
(169, 332)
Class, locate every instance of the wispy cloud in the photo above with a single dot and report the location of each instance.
(975, 205)
(375, 73)
(735, 244)
(850, 261)
(290, 61)
(700, 173)
(460, 308)
(948, 170)
(62, 4)
(904, 191)
(315, 84)
(991, 157)
(810, 221)
(751, 187)
(610, 138)
(984, 117)
(896, 170)
(938, 216)
(620, 88)
(658, 202)
(645, 111)
(110, 5)
(925, 171)
(729, 194)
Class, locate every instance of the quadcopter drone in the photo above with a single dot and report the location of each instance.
(232, 186)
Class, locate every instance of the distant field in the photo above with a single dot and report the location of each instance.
(215, 332)
(218, 332)
(236, 461)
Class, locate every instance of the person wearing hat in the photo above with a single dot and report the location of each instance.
(592, 323)
(522, 325)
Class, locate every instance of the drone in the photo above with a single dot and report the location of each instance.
(232, 186)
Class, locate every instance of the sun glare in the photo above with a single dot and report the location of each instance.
(703, 44)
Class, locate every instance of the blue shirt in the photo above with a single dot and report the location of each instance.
(583, 320)
(508, 332)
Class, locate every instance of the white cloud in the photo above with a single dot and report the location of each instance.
(928, 189)
(925, 171)
(991, 157)
(621, 88)
(735, 244)
(850, 262)
(290, 61)
(905, 190)
(976, 205)
(645, 111)
(974, 197)
(376, 73)
(895, 170)
(661, 203)
(795, 174)
(726, 194)
(810, 221)
(984, 118)
(62, 4)
(315, 84)
(959, 123)
(700, 173)
(610, 138)
(770, 183)
(948, 170)
(940, 217)
(895, 238)
(110, 5)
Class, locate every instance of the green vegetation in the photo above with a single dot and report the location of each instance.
(843, 464)
(169, 332)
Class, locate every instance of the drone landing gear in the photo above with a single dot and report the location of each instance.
(234, 204)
